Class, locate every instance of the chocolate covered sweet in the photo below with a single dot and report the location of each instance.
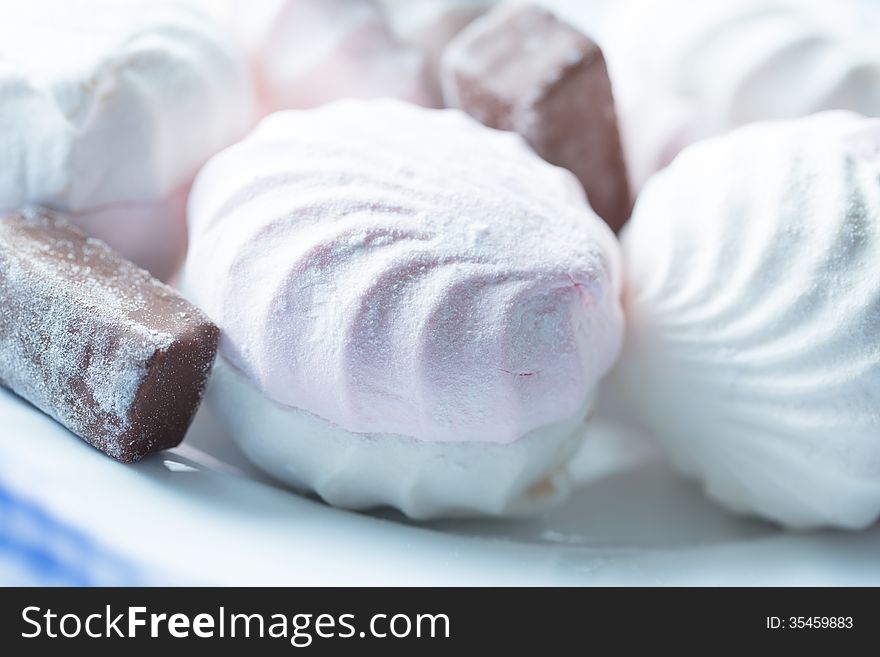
(520, 68)
(94, 341)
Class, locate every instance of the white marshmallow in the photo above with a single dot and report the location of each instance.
(114, 105)
(684, 70)
(753, 315)
(423, 480)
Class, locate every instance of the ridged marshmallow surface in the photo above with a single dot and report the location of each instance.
(687, 69)
(399, 270)
(753, 314)
(115, 103)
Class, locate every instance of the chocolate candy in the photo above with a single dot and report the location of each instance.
(94, 341)
(519, 68)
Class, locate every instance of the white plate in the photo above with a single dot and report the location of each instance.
(201, 514)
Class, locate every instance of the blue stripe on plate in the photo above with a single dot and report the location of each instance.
(36, 549)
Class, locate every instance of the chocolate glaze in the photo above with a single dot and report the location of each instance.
(94, 341)
(519, 68)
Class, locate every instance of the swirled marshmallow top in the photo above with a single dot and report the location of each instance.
(753, 313)
(399, 270)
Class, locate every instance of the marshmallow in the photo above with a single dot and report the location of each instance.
(108, 109)
(435, 284)
(684, 70)
(753, 315)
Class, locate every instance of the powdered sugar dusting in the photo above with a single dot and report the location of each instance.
(402, 281)
(80, 326)
(542, 47)
(754, 313)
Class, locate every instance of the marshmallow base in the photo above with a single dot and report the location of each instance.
(421, 479)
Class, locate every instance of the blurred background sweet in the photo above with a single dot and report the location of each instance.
(684, 70)
(114, 120)
(107, 111)
(305, 53)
